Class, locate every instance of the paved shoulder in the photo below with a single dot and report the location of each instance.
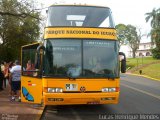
(141, 84)
(17, 110)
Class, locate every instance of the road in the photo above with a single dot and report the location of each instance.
(138, 95)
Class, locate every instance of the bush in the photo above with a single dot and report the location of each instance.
(156, 53)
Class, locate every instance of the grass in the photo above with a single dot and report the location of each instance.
(149, 67)
(151, 70)
(134, 62)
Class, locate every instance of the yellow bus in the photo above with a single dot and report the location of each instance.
(78, 61)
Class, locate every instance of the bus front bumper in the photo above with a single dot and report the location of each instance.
(80, 98)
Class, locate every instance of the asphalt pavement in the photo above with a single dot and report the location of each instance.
(139, 99)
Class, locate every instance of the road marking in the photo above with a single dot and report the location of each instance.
(145, 76)
(142, 91)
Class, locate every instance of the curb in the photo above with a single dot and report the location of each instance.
(40, 113)
(145, 76)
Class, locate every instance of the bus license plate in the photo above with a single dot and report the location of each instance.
(71, 87)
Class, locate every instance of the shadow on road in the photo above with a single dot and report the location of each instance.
(76, 112)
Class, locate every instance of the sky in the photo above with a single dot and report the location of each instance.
(124, 11)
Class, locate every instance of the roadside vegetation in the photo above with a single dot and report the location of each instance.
(151, 70)
(19, 25)
(148, 65)
(131, 35)
(136, 62)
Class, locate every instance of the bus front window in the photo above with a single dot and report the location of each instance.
(100, 58)
(81, 58)
(63, 58)
(80, 16)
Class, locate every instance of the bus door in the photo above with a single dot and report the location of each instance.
(31, 81)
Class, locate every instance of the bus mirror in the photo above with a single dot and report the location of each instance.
(123, 66)
(123, 62)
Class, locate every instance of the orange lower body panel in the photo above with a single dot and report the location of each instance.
(80, 98)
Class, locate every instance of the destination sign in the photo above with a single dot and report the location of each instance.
(95, 33)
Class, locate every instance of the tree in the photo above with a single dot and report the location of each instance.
(19, 25)
(127, 34)
(154, 17)
(133, 38)
(19, 5)
(121, 31)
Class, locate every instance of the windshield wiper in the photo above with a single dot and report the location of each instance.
(109, 76)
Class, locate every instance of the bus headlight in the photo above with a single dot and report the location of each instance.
(104, 89)
(55, 90)
(108, 89)
(112, 89)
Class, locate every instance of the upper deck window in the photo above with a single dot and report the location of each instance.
(85, 16)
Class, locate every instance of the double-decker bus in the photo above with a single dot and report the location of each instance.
(78, 61)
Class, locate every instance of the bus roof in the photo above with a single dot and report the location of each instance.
(80, 5)
(31, 44)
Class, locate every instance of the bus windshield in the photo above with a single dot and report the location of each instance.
(81, 58)
(86, 16)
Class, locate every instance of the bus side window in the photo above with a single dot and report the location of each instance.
(28, 62)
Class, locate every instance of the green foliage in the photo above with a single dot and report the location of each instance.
(134, 62)
(152, 70)
(133, 38)
(156, 53)
(154, 17)
(121, 30)
(19, 25)
(127, 34)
